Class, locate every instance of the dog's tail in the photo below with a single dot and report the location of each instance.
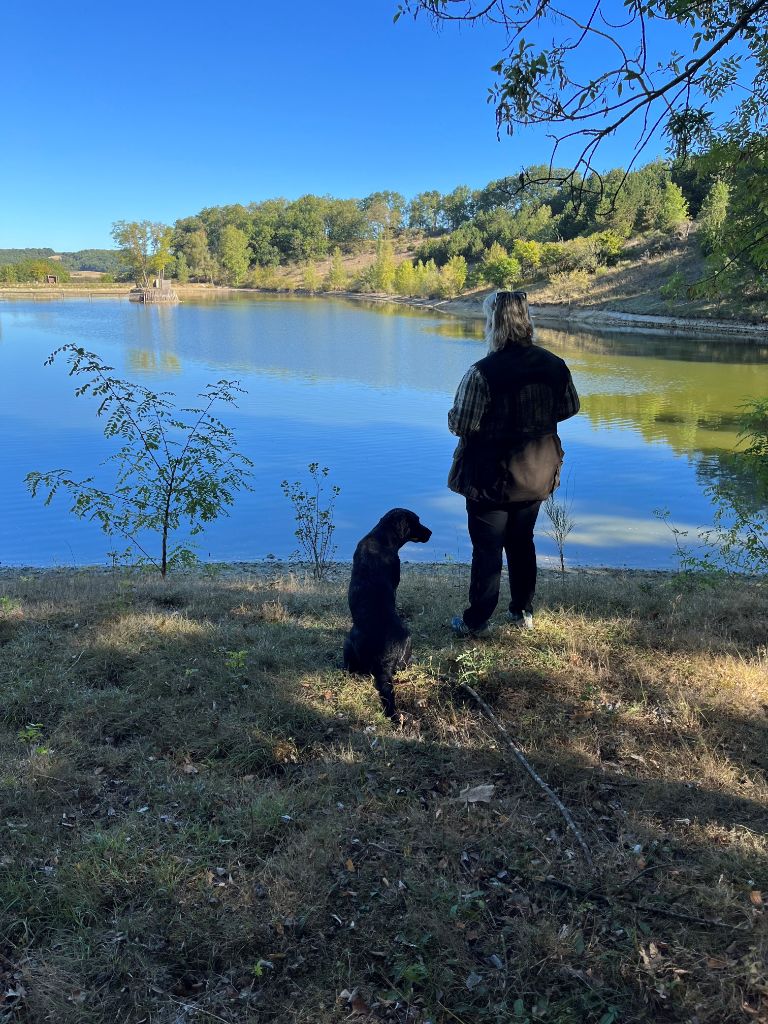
(384, 681)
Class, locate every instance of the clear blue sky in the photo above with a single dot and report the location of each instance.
(119, 113)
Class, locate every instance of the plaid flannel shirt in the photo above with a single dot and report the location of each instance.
(473, 396)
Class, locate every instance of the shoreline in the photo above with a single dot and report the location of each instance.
(595, 319)
(269, 569)
(468, 308)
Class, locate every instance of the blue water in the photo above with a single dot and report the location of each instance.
(365, 391)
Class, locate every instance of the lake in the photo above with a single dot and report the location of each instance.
(364, 389)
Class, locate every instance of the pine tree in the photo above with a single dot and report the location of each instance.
(674, 208)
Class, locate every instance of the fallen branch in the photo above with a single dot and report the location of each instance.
(523, 760)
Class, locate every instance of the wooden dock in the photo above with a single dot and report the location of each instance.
(164, 294)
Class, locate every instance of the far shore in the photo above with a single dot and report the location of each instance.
(465, 307)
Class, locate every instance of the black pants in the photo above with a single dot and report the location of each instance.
(494, 529)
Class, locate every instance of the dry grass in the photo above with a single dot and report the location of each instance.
(203, 818)
(633, 285)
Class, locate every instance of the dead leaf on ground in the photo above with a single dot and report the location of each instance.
(354, 1001)
(359, 1005)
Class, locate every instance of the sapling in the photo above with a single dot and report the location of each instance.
(314, 521)
(562, 522)
(174, 467)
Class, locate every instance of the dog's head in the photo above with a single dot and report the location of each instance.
(405, 526)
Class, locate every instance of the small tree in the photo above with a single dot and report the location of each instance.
(427, 279)
(337, 279)
(453, 275)
(310, 278)
(406, 278)
(145, 248)
(182, 269)
(529, 255)
(234, 254)
(673, 210)
(610, 245)
(499, 268)
(174, 467)
(383, 270)
(562, 522)
(314, 523)
(712, 216)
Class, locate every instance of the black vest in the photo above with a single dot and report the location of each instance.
(515, 455)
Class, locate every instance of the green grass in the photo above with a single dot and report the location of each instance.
(203, 818)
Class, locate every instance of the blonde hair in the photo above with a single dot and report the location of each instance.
(507, 320)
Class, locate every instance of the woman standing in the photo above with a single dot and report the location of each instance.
(508, 459)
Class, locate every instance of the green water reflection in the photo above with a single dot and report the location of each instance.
(685, 392)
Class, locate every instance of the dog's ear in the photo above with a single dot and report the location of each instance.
(396, 521)
(414, 529)
(417, 531)
(408, 523)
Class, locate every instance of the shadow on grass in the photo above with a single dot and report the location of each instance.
(214, 794)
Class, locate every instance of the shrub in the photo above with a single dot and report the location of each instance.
(529, 255)
(499, 268)
(337, 279)
(675, 288)
(570, 285)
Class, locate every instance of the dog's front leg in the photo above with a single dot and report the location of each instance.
(386, 690)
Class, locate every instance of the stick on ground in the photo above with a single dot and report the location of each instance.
(523, 760)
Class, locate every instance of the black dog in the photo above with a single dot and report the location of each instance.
(379, 643)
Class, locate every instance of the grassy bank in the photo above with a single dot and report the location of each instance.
(203, 818)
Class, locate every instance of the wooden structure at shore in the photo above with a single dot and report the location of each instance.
(160, 291)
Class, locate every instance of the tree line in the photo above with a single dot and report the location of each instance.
(30, 265)
(502, 234)
(224, 243)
